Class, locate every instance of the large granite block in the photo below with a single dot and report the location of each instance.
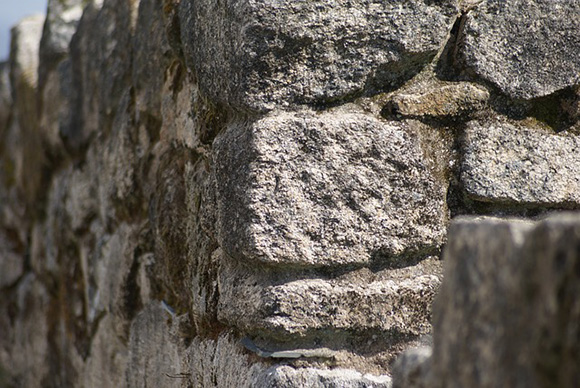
(527, 48)
(288, 377)
(508, 311)
(259, 53)
(391, 301)
(508, 164)
(327, 189)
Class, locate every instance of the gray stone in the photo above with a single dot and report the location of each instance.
(412, 367)
(178, 249)
(257, 54)
(326, 189)
(11, 262)
(55, 84)
(527, 48)
(173, 213)
(151, 58)
(288, 377)
(103, 41)
(154, 355)
(108, 362)
(81, 201)
(394, 301)
(25, 42)
(5, 97)
(108, 290)
(24, 343)
(505, 163)
(119, 187)
(25, 153)
(221, 363)
(158, 356)
(55, 108)
(62, 17)
(508, 311)
(178, 124)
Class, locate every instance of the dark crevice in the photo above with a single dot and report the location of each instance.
(554, 111)
(366, 342)
(132, 303)
(448, 66)
(557, 110)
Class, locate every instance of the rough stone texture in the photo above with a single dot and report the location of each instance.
(412, 368)
(391, 301)
(255, 193)
(102, 41)
(55, 110)
(12, 263)
(150, 327)
(55, 74)
(29, 340)
(108, 360)
(287, 377)
(505, 163)
(24, 46)
(516, 327)
(527, 48)
(62, 17)
(27, 164)
(329, 189)
(257, 54)
(222, 363)
(5, 96)
(447, 99)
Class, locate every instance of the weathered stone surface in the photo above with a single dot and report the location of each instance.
(394, 301)
(158, 356)
(527, 48)
(25, 42)
(107, 364)
(25, 335)
(256, 54)
(505, 163)
(412, 368)
(153, 354)
(5, 97)
(111, 288)
(288, 377)
(23, 149)
(326, 189)
(151, 59)
(81, 202)
(11, 261)
(103, 41)
(62, 17)
(55, 108)
(55, 84)
(444, 99)
(173, 214)
(222, 363)
(170, 221)
(508, 312)
(176, 104)
(119, 188)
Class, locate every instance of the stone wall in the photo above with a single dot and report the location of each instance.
(257, 193)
